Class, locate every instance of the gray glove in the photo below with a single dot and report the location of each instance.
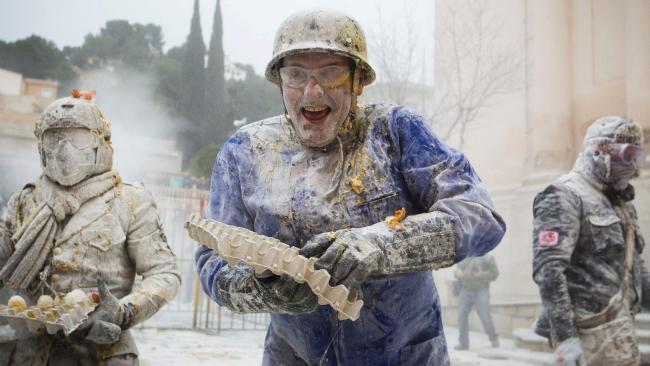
(108, 319)
(242, 291)
(419, 243)
(569, 353)
(103, 332)
(349, 257)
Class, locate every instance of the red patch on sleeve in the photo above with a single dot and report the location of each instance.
(548, 238)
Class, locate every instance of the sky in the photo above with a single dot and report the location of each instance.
(249, 25)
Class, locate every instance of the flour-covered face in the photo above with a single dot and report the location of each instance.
(317, 92)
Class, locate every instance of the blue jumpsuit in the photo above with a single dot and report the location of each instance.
(265, 180)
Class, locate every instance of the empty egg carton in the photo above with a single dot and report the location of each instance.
(235, 244)
(55, 318)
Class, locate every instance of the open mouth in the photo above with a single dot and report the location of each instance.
(315, 114)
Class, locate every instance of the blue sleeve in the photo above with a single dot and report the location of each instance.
(442, 180)
(226, 205)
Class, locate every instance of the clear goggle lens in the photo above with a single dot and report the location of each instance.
(80, 138)
(329, 76)
(628, 153)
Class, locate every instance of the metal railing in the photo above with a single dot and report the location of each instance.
(192, 308)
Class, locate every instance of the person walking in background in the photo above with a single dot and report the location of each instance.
(474, 275)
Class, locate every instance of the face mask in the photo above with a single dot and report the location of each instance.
(622, 172)
(69, 165)
(625, 162)
(629, 154)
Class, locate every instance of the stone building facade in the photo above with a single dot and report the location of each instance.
(582, 59)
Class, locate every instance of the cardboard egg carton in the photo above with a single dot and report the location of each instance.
(235, 244)
(54, 318)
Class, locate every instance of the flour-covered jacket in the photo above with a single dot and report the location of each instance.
(579, 253)
(265, 180)
(117, 236)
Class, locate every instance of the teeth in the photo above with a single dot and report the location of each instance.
(315, 108)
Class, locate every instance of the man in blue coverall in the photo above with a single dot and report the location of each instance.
(324, 177)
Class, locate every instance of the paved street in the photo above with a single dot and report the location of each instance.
(244, 348)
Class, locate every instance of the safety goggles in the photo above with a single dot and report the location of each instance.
(627, 153)
(329, 76)
(80, 138)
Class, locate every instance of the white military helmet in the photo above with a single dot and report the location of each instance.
(75, 112)
(613, 129)
(320, 30)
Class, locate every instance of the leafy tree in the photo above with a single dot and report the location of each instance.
(253, 98)
(169, 76)
(201, 163)
(193, 86)
(215, 106)
(180, 76)
(119, 43)
(36, 57)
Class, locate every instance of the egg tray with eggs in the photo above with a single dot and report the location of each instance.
(53, 315)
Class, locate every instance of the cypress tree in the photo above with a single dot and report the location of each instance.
(217, 127)
(193, 97)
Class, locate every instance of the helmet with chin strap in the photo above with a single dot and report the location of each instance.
(319, 30)
(76, 112)
(326, 31)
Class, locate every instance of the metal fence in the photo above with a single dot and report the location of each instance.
(192, 308)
